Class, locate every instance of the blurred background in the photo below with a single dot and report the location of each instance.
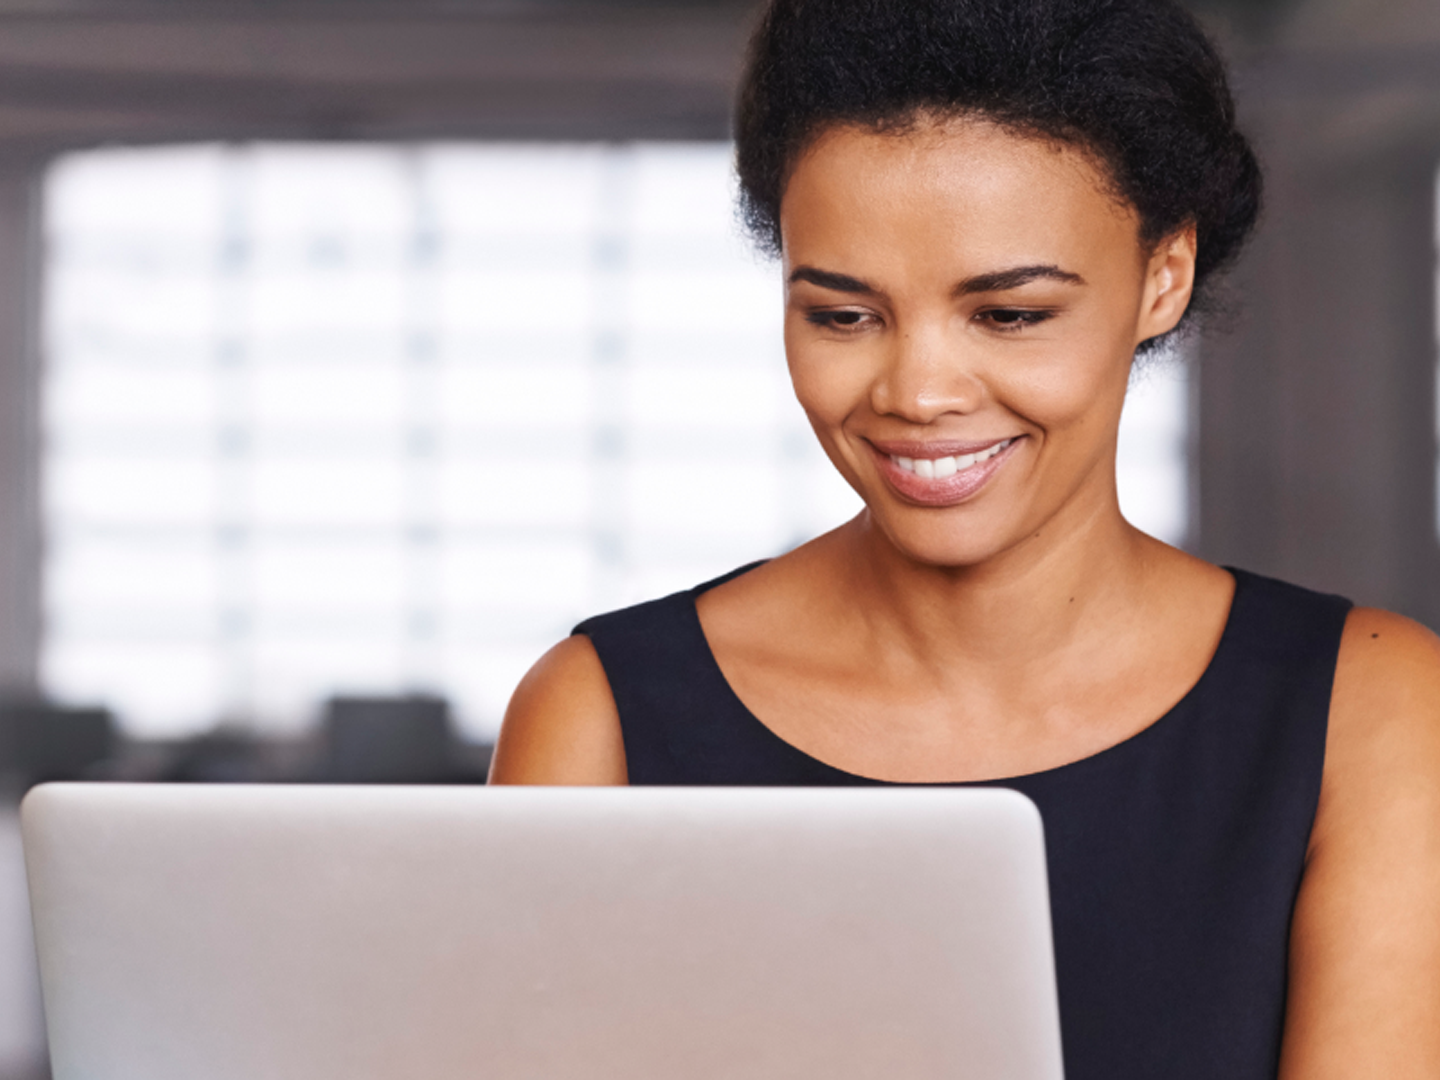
(351, 351)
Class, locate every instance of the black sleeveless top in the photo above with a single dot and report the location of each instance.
(1174, 856)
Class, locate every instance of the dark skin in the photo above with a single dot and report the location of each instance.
(959, 290)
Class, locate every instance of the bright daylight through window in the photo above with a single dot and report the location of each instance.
(378, 419)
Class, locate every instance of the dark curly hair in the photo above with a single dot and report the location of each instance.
(1135, 82)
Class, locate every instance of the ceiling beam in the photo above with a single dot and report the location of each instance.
(316, 69)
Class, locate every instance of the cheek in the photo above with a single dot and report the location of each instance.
(820, 397)
(1061, 396)
(828, 386)
(1075, 383)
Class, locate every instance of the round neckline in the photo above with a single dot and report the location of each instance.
(1099, 758)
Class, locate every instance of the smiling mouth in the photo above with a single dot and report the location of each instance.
(945, 467)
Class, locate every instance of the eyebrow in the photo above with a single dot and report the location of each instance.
(1013, 278)
(993, 281)
(828, 279)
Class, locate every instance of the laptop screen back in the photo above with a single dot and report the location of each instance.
(547, 933)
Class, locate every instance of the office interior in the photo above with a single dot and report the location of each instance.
(1303, 421)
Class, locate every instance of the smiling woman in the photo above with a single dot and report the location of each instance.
(985, 211)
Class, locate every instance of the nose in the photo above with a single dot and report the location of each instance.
(926, 375)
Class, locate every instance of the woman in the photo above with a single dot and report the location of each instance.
(985, 211)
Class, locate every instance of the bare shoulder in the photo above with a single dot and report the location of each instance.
(561, 726)
(1385, 709)
(1365, 945)
(1383, 748)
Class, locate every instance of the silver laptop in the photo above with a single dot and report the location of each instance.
(370, 933)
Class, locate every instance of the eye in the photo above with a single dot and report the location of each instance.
(843, 320)
(1012, 320)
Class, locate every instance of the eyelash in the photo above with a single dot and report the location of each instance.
(1016, 319)
(830, 320)
(1009, 320)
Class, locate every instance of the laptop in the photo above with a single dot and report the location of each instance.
(372, 933)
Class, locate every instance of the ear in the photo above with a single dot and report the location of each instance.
(1169, 282)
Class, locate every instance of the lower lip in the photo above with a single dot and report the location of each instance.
(953, 489)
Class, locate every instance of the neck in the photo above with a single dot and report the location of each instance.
(1024, 606)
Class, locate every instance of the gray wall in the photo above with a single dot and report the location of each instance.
(20, 541)
(1317, 440)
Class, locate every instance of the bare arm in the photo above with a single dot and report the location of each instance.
(1365, 946)
(561, 726)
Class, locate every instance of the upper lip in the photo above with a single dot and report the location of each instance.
(932, 449)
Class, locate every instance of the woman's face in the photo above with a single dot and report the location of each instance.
(962, 306)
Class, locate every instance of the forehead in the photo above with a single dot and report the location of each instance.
(963, 189)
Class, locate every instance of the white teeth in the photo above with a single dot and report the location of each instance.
(942, 468)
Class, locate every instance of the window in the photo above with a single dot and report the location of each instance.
(383, 418)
